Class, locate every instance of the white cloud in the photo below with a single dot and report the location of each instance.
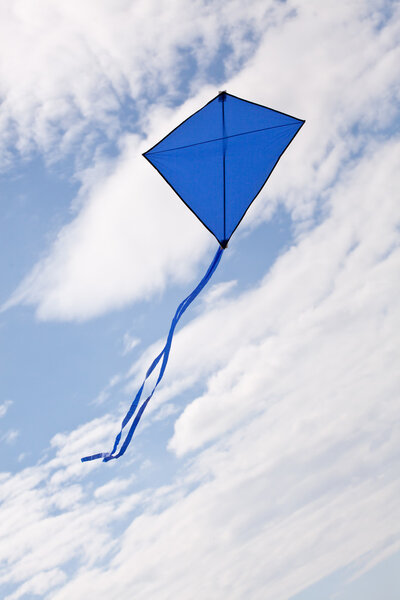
(10, 436)
(40, 584)
(70, 67)
(166, 410)
(218, 291)
(4, 407)
(113, 488)
(104, 394)
(130, 342)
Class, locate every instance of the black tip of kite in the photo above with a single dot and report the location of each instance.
(222, 95)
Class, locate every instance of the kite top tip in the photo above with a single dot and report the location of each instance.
(222, 95)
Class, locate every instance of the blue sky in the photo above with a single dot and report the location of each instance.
(267, 463)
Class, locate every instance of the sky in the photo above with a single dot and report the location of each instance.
(267, 463)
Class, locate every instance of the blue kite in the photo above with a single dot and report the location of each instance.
(217, 161)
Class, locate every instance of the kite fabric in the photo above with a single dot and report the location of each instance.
(217, 161)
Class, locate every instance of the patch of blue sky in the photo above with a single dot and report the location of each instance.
(34, 205)
(384, 14)
(52, 372)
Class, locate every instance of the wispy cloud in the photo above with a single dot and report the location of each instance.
(219, 291)
(10, 436)
(130, 342)
(4, 407)
(87, 62)
(104, 394)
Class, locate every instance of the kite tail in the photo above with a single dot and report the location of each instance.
(164, 355)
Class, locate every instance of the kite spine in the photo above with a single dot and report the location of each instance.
(222, 99)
